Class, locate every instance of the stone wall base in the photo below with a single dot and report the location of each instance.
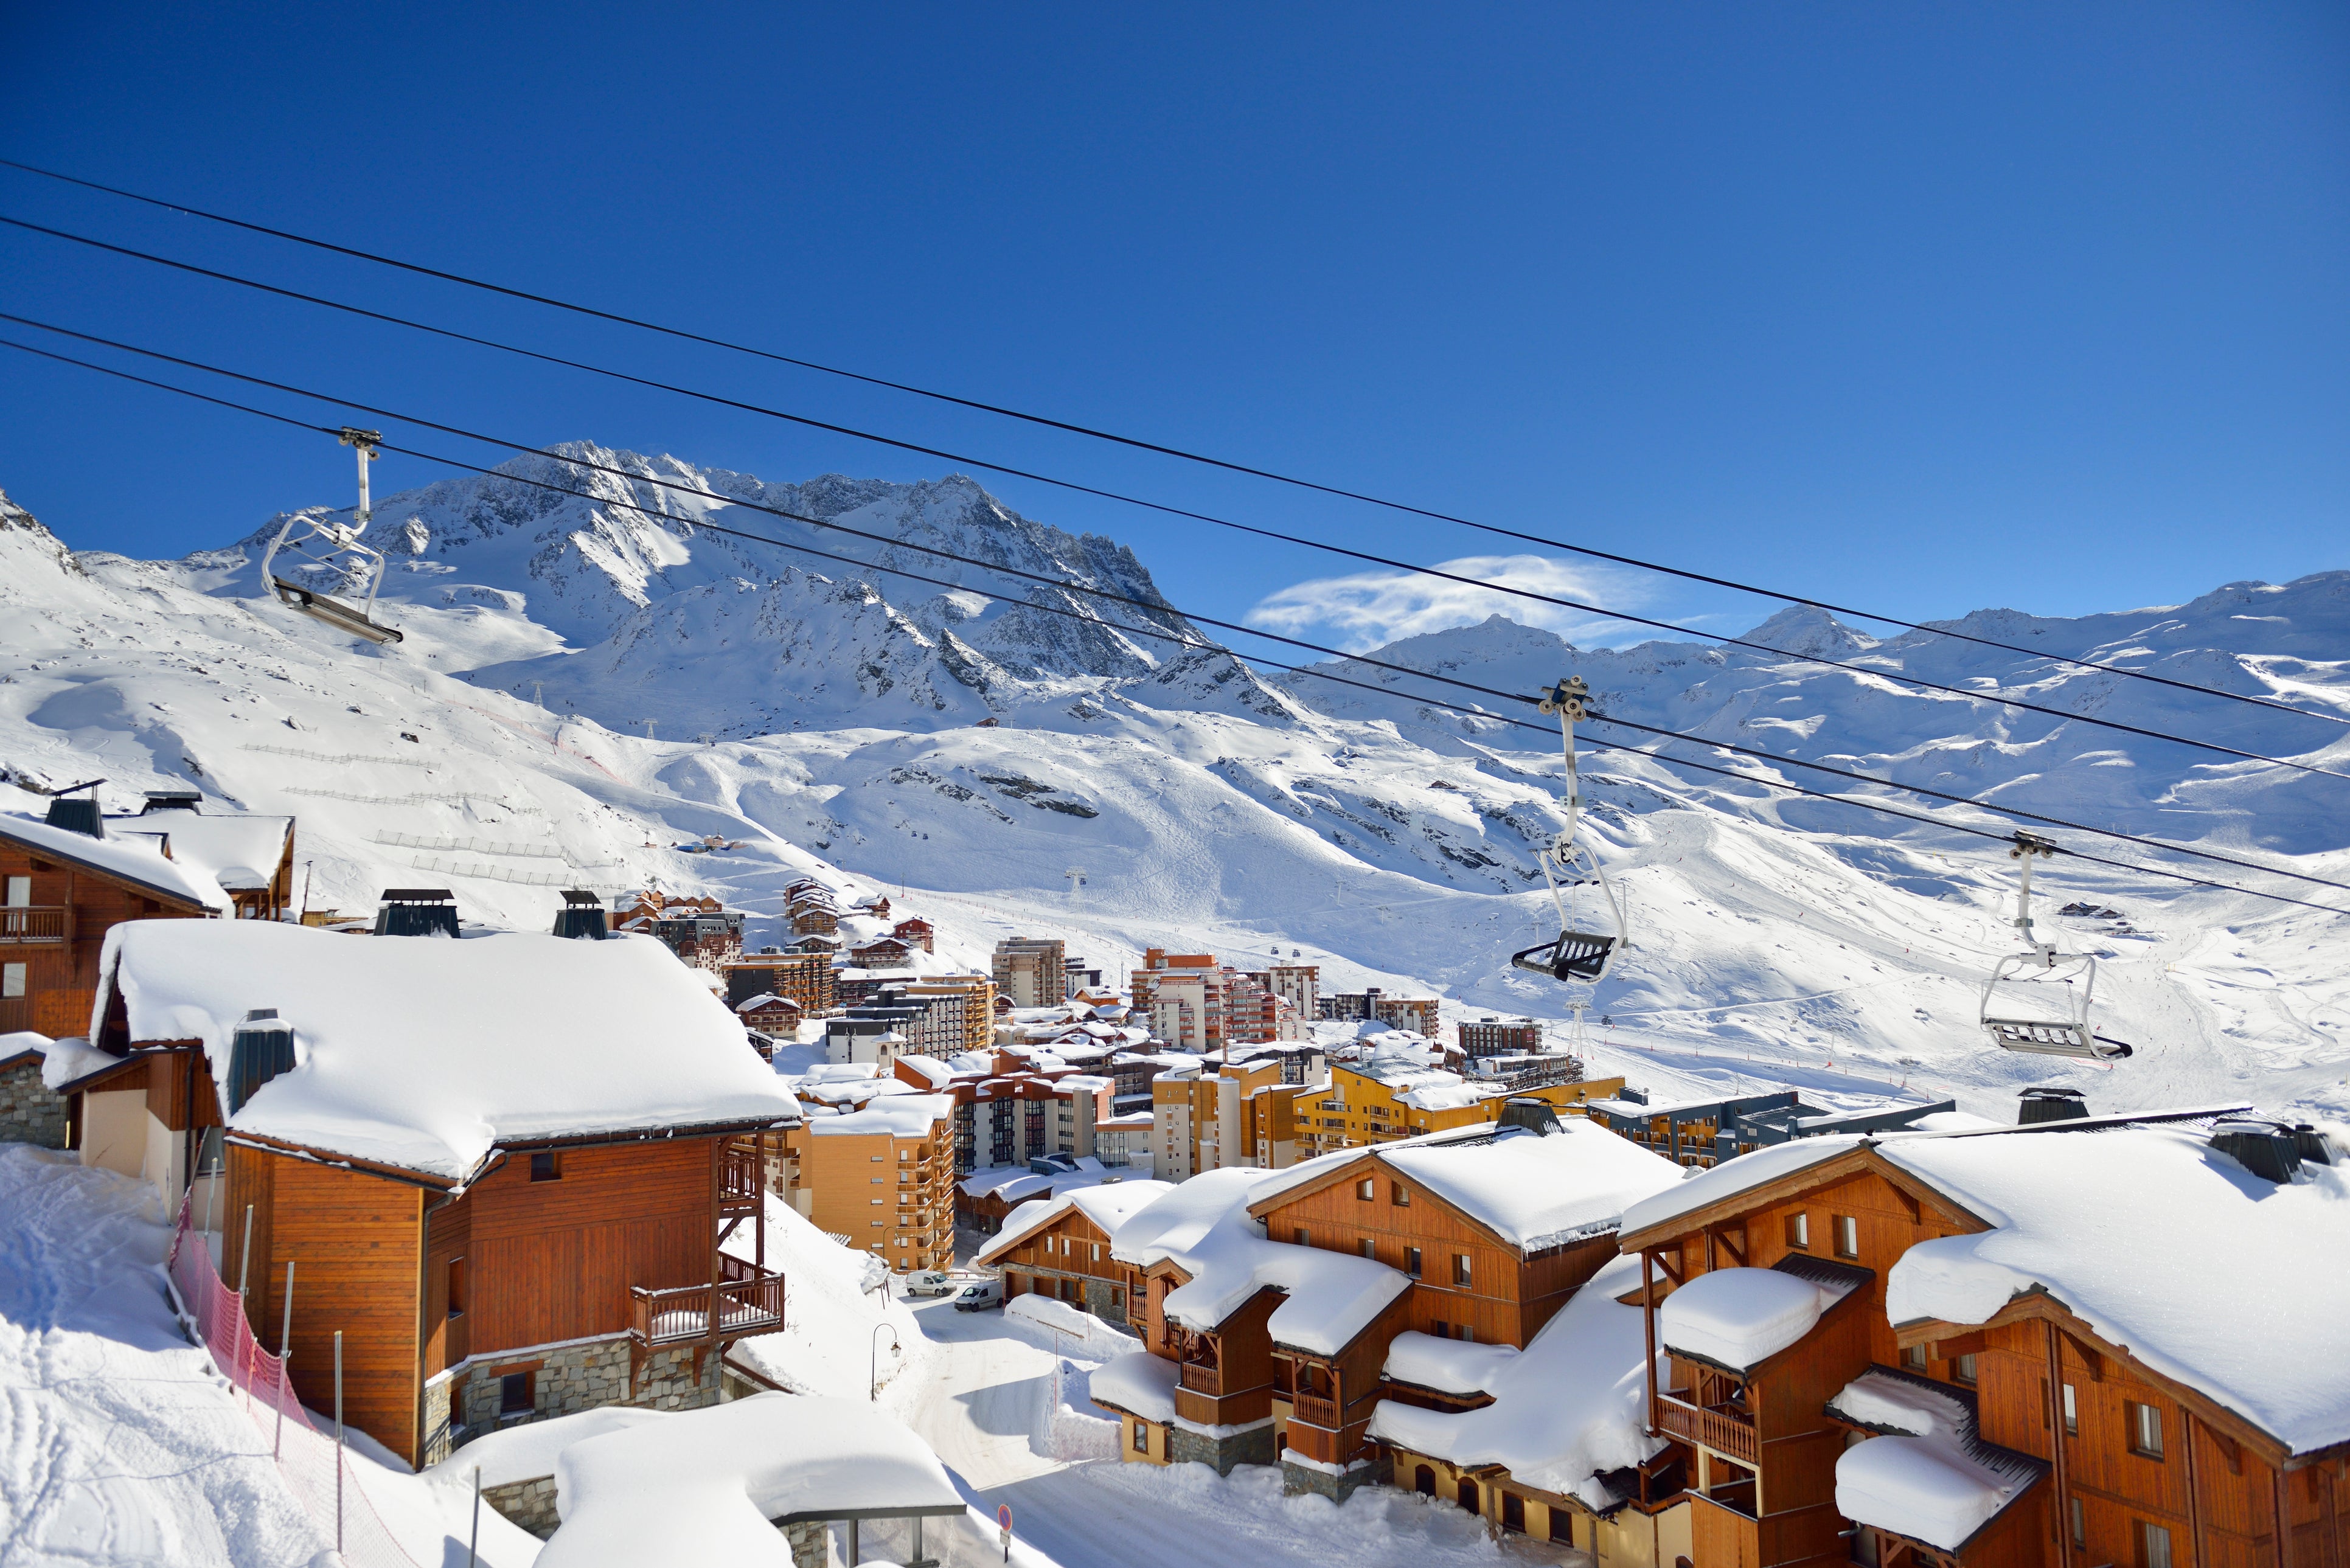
(1253, 1447)
(809, 1541)
(1296, 1479)
(529, 1504)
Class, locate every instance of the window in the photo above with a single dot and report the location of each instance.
(1963, 1369)
(12, 979)
(1562, 1526)
(2153, 1544)
(1460, 1268)
(1141, 1438)
(1848, 1236)
(904, 1155)
(1097, 1259)
(2145, 1431)
(1466, 1334)
(20, 892)
(1399, 1194)
(2080, 1524)
(1303, 1238)
(1799, 1230)
(1441, 1329)
(456, 1287)
(1411, 1261)
(1364, 1189)
(1514, 1513)
(1913, 1358)
(516, 1395)
(546, 1165)
(1370, 1249)
(2072, 1414)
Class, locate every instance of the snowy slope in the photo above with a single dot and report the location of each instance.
(1777, 942)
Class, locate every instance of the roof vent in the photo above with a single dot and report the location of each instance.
(77, 814)
(416, 912)
(2268, 1149)
(2315, 1146)
(2050, 1106)
(261, 1048)
(171, 800)
(582, 915)
(1534, 1116)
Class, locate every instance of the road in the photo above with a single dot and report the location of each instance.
(984, 1406)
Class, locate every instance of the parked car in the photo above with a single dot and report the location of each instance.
(986, 1293)
(929, 1283)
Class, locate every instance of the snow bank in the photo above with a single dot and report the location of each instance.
(1738, 1318)
(529, 1452)
(1137, 1382)
(2094, 1218)
(1454, 1366)
(1572, 1406)
(1917, 1487)
(835, 1300)
(1077, 1330)
(703, 1486)
(424, 1053)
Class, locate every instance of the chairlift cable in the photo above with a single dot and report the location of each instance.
(1300, 540)
(1316, 671)
(1142, 445)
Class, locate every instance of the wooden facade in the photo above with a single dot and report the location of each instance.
(1069, 1259)
(54, 912)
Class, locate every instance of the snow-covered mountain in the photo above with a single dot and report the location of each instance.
(1777, 941)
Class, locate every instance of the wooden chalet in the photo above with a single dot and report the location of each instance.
(1061, 1246)
(64, 884)
(2075, 1343)
(916, 933)
(249, 855)
(449, 1142)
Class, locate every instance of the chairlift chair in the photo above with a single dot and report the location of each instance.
(332, 550)
(2037, 1002)
(1574, 956)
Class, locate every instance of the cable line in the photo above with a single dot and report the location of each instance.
(1093, 434)
(1162, 607)
(1919, 681)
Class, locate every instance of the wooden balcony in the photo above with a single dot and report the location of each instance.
(1315, 1411)
(745, 1301)
(741, 1178)
(1725, 1432)
(26, 923)
(1202, 1379)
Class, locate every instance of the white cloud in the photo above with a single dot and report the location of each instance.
(1364, 610)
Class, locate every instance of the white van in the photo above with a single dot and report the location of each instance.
(979, 1297)
(929, 1283)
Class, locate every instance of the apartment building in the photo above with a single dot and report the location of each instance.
(881, 1179)
(1500, 1037)
(1182, 996)
(1386, 1099)
(804, 978)
(1207, 1116)
(1031, 972)
(1703, 1133)
(1416, 1013)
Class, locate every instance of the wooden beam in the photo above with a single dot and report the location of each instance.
(1649, 1331)
(2056, 1448)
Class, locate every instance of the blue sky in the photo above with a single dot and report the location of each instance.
(1921, 309)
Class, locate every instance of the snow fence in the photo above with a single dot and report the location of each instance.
(318, 1472)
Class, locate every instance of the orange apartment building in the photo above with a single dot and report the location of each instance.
(879, 1179)
(2062, 1344)
(1366, 1104)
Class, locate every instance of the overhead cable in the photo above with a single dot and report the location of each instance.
(1139, 444)
(1162, 607)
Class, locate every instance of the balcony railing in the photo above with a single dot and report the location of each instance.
(741, 1178)
(1724, 1431)
(34, 923)
(1200, 1378)
(1315, 1411)
(745, 1301)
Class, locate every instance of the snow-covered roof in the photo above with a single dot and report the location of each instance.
(1203, 1229)
(1738, 1318)
(938, 1072)
(1137, 1382)
(136, 860)
(708, 1485)
(1930, 1477)
(1568, 1409)
(2092, 1213)
(1108, 1204)
(237, 849)
(24, 1042)
(423, 1052)
(1454, 1366)
(897, 1109)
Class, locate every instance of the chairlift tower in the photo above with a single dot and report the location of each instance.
(1077, 875)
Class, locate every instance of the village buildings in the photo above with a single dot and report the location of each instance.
(879, 1179)
(805, 979)
(1031, 972)
(1060, 1246)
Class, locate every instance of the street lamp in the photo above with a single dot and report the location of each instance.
(873, 1377)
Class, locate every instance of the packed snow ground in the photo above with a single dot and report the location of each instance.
(1776, 943)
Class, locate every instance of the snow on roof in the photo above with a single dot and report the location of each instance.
(1445, 1097)
(1203, 1229)
(528, 1452)
(136, 860)
(1739, 1318)
(1538, 1190)
(1454, 1366)
(1757, 1167)
(1108, 1204)
(63, 1061)
(2254, 1310)
(236, 849)
(905, 1113)
(423, 1052)
(1571, 1407)
(931, 1067)
(26, 1043)
(706, 1486)
(1138, 1121)
(1137, 1382)
(1930, 1477)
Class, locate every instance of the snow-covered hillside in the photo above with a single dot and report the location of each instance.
(1777, 941)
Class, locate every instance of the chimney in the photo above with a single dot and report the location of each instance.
(2048, 1105)
(1534, 1116)
(171, 800)
(77, 814)
(2268, 1149)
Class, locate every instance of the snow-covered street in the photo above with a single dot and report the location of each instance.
(984, 1406)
